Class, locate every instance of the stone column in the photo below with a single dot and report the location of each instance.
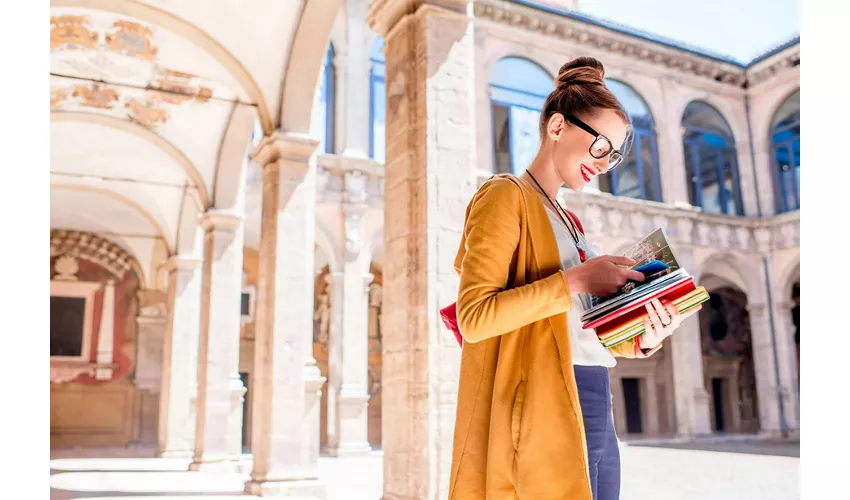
(286, 381)
(352, 402)
(105, 340)
(335, 363)
(674, 180)
(176, 431)
(691, 399)
(429, 179)
(355, 104)
(773, 355)
(218, 432)
(785, 334)
(151, 325)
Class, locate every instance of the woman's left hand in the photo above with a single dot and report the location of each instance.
(663, 319)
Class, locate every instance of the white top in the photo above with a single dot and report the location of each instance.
(586, 348)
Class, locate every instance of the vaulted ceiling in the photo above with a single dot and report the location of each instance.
(153, 104)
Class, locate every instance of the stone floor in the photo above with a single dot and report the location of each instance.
(717, 469)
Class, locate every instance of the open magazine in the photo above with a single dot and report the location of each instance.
(619, 317)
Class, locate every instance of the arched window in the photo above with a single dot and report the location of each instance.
(518, 89)
(785, 135)
(711, 161)
(327, 102)
(638, 176)
(377, 102)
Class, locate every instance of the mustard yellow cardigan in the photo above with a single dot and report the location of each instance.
(519, 431)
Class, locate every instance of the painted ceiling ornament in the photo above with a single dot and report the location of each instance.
(179, 88)
(95, 96)
(71, 32)
(57, 97)
(147, 114)
(131, 39)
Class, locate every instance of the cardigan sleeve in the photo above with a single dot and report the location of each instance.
(485, 308)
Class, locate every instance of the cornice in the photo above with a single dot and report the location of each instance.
(584, 33)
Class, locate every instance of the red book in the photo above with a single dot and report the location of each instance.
(637, 308)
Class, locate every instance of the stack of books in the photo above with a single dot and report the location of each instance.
(620, 317)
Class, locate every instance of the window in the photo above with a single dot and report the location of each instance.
(71, 316)
(785, 136)
(638, 176)
(377, 103)
(518, 90)
(247, 300)
(711, 161)
(327, 102)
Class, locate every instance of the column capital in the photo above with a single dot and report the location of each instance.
(220, 219)
(284, 146)
(178, 262)
(384, 15)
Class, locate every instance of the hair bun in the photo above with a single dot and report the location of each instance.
(581, 71)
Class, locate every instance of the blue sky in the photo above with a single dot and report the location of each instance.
(740, 29)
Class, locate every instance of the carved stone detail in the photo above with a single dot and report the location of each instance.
(585, 34)
(91, 247)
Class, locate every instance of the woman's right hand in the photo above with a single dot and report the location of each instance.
(601, 276)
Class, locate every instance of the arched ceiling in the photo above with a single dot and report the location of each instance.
(108, 216)
(146, 99)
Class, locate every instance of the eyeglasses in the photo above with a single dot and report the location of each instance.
(601, 146)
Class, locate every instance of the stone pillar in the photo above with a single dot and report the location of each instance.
(429, 177)
(218, 432)
(151, 325)
(691, 399)
(649, 403)
(335, 363)
(176, 431)
(105, 340)
(286, 380)
(785, 334)
(352, 402)
(355, 104)
(674, 180)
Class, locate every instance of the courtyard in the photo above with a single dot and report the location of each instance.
(702, 470)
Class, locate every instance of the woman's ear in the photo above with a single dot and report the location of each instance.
(555, 126)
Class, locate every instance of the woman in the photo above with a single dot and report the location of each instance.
(534, 417)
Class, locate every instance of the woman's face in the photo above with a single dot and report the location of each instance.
(570, 145)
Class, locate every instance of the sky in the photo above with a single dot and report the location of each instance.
(739, 29)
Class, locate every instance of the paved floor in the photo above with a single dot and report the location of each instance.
(660, 471)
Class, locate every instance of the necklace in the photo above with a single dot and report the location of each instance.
(570, 228)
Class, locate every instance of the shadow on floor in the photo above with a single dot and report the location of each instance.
(746, 447)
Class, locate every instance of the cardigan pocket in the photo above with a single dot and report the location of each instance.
(516, 414)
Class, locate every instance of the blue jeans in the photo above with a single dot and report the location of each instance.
(603, 453)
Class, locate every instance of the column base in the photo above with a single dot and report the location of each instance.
(350, 450)
(176, 454)
(239, 465)
(312, 489)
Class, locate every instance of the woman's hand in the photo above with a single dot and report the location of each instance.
(601, 276)
(663, 319)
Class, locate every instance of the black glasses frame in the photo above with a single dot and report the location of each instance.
(616, 158)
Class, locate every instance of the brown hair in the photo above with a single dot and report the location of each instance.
(580, 89)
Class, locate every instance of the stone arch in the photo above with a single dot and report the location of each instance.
(146, 134)
(190, 32)
(97, 249)
(723, 106)
(789, 275)
(232, 157)
(169, 242)
(326, 244)
(305, 60)
(376, 247)
(734, 270)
